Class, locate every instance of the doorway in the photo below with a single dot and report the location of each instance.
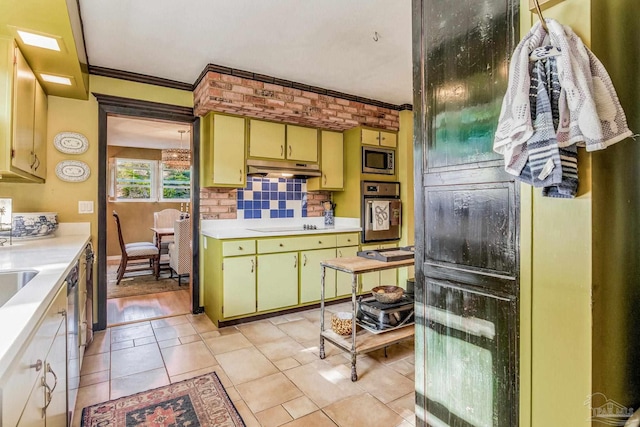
(136, 182)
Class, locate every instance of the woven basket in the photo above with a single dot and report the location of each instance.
(341, 322)
(387, 294)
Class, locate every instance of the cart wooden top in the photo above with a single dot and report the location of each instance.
(357, 265)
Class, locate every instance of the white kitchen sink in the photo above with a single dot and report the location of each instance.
(12, 281)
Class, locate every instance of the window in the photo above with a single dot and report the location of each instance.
(176, 184)
(137, 180)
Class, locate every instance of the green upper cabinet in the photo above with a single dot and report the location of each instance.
(379, 137)
(331, 163)
(302, 144)
(223, 151)
(266, 139)
(23, 118)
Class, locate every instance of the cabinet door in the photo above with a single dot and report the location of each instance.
(370, 137)
(33, 415)
(310, 283)
(23, 109)
(332, 160)
(56, 377)
(39, 168)
(228, 151)
(239, 286)
(389, 277)
(388, 139)
(277, 280)
(302, 144)
(343, 280)
(369, 281)
(266, 139)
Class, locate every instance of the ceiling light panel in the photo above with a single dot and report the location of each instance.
(56, 79)
(38, 40)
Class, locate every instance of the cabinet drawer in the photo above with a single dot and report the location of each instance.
(347, 239)
(238, 247)
(290, 244)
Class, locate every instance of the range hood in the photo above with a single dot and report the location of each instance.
(282, 169)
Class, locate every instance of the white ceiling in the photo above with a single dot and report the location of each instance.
(324, 43)
(144, 133)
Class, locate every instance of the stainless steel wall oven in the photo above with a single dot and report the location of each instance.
(381, 211)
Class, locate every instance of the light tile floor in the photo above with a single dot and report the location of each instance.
(270, 369)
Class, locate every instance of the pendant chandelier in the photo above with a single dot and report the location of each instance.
(177, 158)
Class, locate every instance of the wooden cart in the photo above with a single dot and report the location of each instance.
(361, 341)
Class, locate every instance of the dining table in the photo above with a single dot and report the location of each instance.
(161, 232)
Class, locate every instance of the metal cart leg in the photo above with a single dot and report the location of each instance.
(322, 273)
(354, 284)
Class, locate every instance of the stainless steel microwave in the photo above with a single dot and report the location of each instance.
(378, 160)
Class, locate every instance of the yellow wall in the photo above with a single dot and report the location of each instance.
(404, 163)
(81, 116)
(556, 280)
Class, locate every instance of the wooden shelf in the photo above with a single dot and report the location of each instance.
(367, 341)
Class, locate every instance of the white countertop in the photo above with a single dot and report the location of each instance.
(261, 228)
(52, 258)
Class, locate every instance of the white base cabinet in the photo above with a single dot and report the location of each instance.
(39, 376)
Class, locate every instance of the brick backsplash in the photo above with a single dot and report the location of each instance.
(251, 98)
(224, 203)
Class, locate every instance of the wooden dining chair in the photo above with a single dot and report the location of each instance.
(136, 251)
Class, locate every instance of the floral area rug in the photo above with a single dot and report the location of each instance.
(200, 401)
(141, 283)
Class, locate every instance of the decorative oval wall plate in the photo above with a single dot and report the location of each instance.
(71, 143)
(73, 171)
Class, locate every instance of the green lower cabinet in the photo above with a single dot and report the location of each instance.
(239, 286)
(343, 280)
(379, 278)
(277, 280)
(310, 282)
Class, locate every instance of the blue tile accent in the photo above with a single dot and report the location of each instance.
(254, 201)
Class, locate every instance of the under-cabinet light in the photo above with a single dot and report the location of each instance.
(39, 41)
(56, 79)
(287, 175)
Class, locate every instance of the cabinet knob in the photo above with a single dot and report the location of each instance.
(240, 179)
(325, 178)
(37, 366)
(319, 242)
(289, 151)
(253, 265)
(339, 254)
(295, 261)
(282, 150)
(348, 240)
(304, 262)
(240, 248)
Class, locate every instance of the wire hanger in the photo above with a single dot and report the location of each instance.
(546, 51)
(540, 17)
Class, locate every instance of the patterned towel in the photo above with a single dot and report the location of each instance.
(589, 111)
(543, 166)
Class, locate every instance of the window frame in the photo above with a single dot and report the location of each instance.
(157, 182)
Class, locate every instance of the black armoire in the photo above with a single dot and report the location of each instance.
(466, 216)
